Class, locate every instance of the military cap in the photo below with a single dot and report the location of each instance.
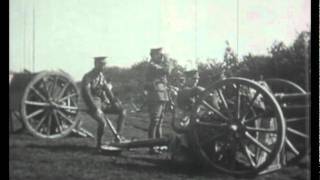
(156, 50)
(192, 73)
(100, 59)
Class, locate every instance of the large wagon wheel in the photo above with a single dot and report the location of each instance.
(297, 136)
(239, 127)
(49, 106)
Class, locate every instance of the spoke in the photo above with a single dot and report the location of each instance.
(41, 121)
(260, 129)
(49, 125)
(205, 103)
(224, 102)
(291, 146)
(66, 107)
(72, 112)
(216, 136)
(247, 152)
(250, 104)
(238, 101)
(46, 87)
(54, 86)
(34, 113)
(63, 90)
(57, 120)
(38, 93)
(35, 103)
(259, 144)
(65, 117)
(66, 97)
(297, 133)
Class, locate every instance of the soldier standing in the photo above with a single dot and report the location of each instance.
(99, 98)
(157, 92)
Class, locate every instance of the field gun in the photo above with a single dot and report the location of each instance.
(255, 126)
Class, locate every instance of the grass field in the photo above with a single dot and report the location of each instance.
(75, 158)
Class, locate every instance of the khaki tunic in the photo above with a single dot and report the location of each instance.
(157, 83)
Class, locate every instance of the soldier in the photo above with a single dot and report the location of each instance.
(99, 98)
(157, 92)
(187, 95)
(180, 147)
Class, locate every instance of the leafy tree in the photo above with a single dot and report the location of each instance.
(288, 62)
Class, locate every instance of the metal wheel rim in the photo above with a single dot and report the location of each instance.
(297, 89)
(63, 132)
(280, 137)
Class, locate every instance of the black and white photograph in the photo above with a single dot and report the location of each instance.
(160, 89)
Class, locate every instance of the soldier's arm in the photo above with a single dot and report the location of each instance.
(109, 93)
(155, 66)
(87, 95)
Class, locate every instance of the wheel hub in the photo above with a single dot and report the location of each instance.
(237, 129)
(234, 127)
(52, 104)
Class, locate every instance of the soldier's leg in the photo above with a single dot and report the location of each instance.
(100, 126)
(152, 126)
(155, 116)
(159, 124)
(120, 111)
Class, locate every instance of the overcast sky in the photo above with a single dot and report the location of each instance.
(68, 33)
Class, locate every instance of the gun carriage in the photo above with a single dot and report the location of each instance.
(47, 102)
(237, 125)
(244, 127)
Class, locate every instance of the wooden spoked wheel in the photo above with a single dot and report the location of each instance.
(297, 136)
(49, 106)
(239, 128)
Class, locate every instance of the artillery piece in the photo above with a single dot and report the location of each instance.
(46, 101)
(237, 125)
(242, 127)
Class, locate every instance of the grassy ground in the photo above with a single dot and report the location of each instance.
(74, 158)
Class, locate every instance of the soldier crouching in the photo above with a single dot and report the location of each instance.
(99, 98)
(179, 147)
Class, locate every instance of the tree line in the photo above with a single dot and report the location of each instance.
(282, 61)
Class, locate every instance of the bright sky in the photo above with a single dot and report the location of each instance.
(68, 33)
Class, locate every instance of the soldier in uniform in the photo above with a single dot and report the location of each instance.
(99, 98)
(180, 147)
(157, 92)
(186, 96)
